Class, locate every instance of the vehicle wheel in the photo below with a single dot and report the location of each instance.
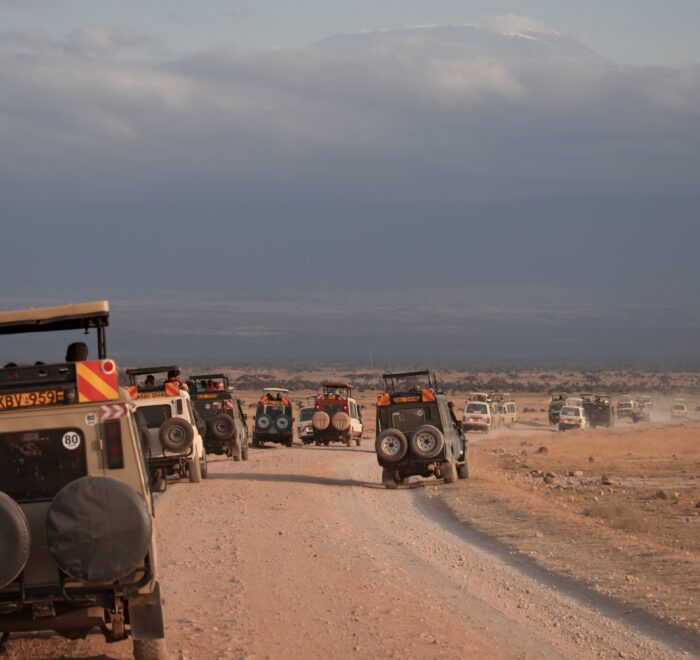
(391, 445)
(326, 443)
(237, 452)
(150, 649)
(463, 468)
(449, 471)
(203, 466)
(256, 442)
(176, 434)
(317, 443)
(194, 470)
(222, 427)
(388, 480)
(348, 440)
(244, 453)
(427, 441)
(289, 442)
(358, 441)
(16, 540)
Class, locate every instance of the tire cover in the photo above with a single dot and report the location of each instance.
(176, 434)
(15, 540)
(263, 422)
(341, 421)
(283, 423)
(420, 435)
(394, 440)
(222, 427)
(321, 420)
(98, 529)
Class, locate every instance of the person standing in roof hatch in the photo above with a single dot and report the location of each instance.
(174, 377)
(77, 352)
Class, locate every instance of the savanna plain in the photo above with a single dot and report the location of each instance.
(570, 545)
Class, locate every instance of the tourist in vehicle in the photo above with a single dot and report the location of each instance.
(77, 352)
(210, 386)
(150, 381)
(174, 376)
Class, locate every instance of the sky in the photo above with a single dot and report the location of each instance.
(454, 182)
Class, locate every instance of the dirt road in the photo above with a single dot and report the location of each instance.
(300, 553)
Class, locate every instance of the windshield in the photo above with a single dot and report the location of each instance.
(679, 406)
(305, 414)
(477, 408)
(408, 420)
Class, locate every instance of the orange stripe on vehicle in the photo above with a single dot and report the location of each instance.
(172, 389)
(93, 385)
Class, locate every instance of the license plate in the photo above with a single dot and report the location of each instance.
(31, 399)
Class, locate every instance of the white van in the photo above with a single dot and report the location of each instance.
(572, 417)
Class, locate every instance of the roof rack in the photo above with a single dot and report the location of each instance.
(208, 376)
(141, 371)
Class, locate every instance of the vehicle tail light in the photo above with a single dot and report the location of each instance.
(113, 441)
(487, 420)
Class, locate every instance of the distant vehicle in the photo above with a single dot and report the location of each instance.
(509, 411)
(164, 414)
(337, 416)
(601, 411)
(273, 420)
(572, 417)
(643, 409)
(679, 409)
(557, 401)
(417, 431)
(305, 428)
(625, 408)
(476, 416)
(220, 417)
(77, 538)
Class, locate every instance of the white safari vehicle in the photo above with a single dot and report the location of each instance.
(166, 420)
(77, 542)
(572, 417)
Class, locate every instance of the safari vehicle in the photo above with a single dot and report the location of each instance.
(625, 408)
(679, 409)
(555, 405)
(337, 416)
(643, 410)
(600, 410)
(77, 542)
(273, 420)
(417, 431)
(220, 417)
(477, 416)
(305, 429)
(572, 417)
(508, 409)
(164, 415)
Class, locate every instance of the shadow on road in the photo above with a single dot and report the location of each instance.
(294, 479)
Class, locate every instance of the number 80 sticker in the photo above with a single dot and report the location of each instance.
(71, 440)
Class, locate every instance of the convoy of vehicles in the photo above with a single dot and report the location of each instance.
(337, 416)
(220, 417)
(77, 546)
(164, 415)
(417, 431)
(273, 420)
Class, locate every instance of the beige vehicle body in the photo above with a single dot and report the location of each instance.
(77, 545)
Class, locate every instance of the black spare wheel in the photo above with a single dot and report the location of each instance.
(15, 540)
(427, 441)
(98, 529)
(263, 422)
(283, 423)
(391, 445)
(222, 427)
(176, 434)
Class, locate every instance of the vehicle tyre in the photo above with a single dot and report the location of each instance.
(283, 423)
(321, 420)
(463, 467)
(15, 540)
(427, 441)
(358, 441)
(263, 422)
(194, 470)
(244, 453)
(221, 427)
(317, 443)
(256, 442)
(326, 443)
(176, 434)
(348, 440)
(237, 452)
(87, 523)
(150, 649)
(203, 466)
(449, 471)
(388, 480)
(289, 441)
(341, 422)
(391, 445)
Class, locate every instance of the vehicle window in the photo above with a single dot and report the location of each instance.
(570, 412)
(408, 419)
(481, 408)
(152, 417)
(305, 414)
(276, 411)
(37, 464)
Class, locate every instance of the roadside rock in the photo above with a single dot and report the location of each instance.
(661, 495)
(605, 480)
(543, 450)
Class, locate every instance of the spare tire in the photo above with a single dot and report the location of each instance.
(176, 434)
(15, 540)
(221, 427)
(98, 529)
(321, 420)
(283, 423)
(341, 421)
(263, 422)
(427, 441)
(391, 445)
